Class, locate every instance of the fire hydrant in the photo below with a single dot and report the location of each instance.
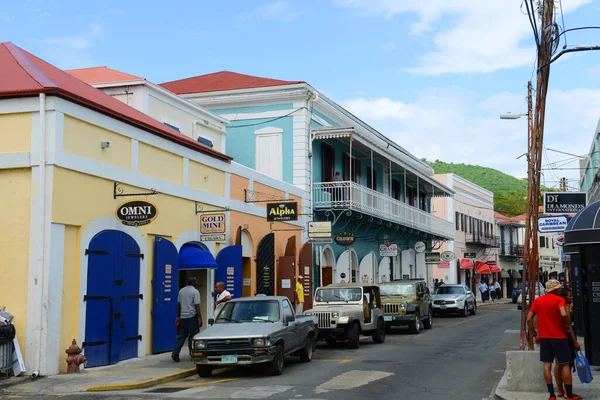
(75, 358)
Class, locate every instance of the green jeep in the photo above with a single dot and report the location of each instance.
(406, 302)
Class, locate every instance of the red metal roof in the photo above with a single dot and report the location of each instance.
(96, 75)
(23, 74)
(219, 81)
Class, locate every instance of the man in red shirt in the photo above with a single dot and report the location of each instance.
(554, 334)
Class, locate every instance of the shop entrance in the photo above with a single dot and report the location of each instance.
(265, 265)
(195, 260)
(247, 250)
(327, 264)
(306, 270)
(112, 299)
(286, 272)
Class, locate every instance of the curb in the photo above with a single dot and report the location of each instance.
(15, 381)
(142, 384)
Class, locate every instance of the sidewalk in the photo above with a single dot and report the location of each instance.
(496, 303)
(137, 373)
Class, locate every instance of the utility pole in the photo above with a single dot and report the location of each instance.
(563, 184)
(536, 137)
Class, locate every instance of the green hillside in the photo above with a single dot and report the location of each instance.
(510, 193)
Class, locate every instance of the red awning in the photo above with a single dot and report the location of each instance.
(495, 268)
(466, 264)
(482, 268)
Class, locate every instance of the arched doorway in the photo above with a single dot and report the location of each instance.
(367, 268)
(346, 267)
(245, 240)
(112, 298)
(265, 265)
(385, 270)
(327, 263)
(196, 260)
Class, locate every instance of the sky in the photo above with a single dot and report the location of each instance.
(433, 75)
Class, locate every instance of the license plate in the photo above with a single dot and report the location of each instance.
(229, 359)
(387, 317)
(443, 307)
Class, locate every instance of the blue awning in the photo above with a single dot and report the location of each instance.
(194, 257)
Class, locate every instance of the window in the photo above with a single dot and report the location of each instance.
(287, 309)
(172, 126)
(456, 221)
(396, 193)
(470, 224)
(423, 201)
(327, 162)
(542, 241)
(371, 178)
(269, 156)
(356, 169)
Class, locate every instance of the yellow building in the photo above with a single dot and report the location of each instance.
(105, 212)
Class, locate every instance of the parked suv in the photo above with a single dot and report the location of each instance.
(407, 302)
(346, 311)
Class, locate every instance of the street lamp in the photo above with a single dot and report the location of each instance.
(509, 115)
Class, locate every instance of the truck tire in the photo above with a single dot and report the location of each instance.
(276, 366)
(428, 322)
(307, 351)
(353, 336)
(204, 371)
(379, 332)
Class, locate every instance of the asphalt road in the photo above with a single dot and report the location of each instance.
(460, 358)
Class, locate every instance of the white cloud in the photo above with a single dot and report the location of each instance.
(456, 125)
(470, 36)
(72, 51)
(279, 10)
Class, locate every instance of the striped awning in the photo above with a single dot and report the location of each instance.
(333, 132)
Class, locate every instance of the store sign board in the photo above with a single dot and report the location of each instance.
(444, 265)
(448, 255)
(390, 250)
(211, 224)
(470, 255)
(558, 240)
(419, 247)
(287, 211)
(552, 224)
(433, 258)
(560, 203)
(345, 239)
(137, 213)
(212, 238)
(321, 229)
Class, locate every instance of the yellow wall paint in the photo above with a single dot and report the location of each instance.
(160, 164)
(205, 178)
(15, 132)
(14, 245)
(84, 139)
(70, 299)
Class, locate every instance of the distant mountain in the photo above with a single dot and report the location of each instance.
(510, 193)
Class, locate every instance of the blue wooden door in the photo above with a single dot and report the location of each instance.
(112, 298)
(229, 271)
(164, 301)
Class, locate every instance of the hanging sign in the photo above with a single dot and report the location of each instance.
(419, 247)
(282, 211)
(137, 213)
(558, 240)
(448, 255)
(390, 250)
(211, 224)
(444, 265)
(320, 229)
(552, 224)
(345, 239)
(432, 258)
(470, 255)
(560, 203)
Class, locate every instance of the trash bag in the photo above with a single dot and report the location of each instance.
(583, 368)
(7, 333)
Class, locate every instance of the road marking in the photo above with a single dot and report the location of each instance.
(198, 384)
(341, 361)
(353, 379)
(260, 392)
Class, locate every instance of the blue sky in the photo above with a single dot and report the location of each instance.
(433, 74)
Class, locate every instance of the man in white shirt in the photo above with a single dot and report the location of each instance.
(483, 287)
(223, 296)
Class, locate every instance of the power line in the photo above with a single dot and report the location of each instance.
(269, 121)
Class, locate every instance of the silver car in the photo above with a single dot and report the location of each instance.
(454, 298)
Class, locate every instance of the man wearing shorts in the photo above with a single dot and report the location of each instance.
(553, 335)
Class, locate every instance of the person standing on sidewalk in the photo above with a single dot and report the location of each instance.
(223, 296)
(299, 296)
(554, 332)
(190, 317)
(483, 288)
(497, 288)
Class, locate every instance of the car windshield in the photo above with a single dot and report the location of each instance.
(249, 311)
(338, 294)
(450, 290)
(401, 289)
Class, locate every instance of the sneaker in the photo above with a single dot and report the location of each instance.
(175, 358)
(552, 398)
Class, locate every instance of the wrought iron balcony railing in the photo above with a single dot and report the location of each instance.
(352, 196)
(483, 240)
(514, 251)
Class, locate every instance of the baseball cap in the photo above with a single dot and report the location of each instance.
(552, 285)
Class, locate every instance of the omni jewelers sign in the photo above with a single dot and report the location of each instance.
(137, 213)
(560, 203)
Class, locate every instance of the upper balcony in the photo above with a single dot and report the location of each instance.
(352, 196)
(511, 252)
(482, 240)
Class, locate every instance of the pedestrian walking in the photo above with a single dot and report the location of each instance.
(554, 332)
(492, 291)
(483, 288)
(189, 317)
(498, 289)
(223, 296)
(436, 284)
(299, 296)
(567, 294)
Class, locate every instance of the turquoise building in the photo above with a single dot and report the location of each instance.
(372, 190)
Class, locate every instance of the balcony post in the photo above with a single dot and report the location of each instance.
(350, 177)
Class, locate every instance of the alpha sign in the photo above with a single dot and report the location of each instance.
(552, 224)
(137, 213)
(559, 203)
(287, 211)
